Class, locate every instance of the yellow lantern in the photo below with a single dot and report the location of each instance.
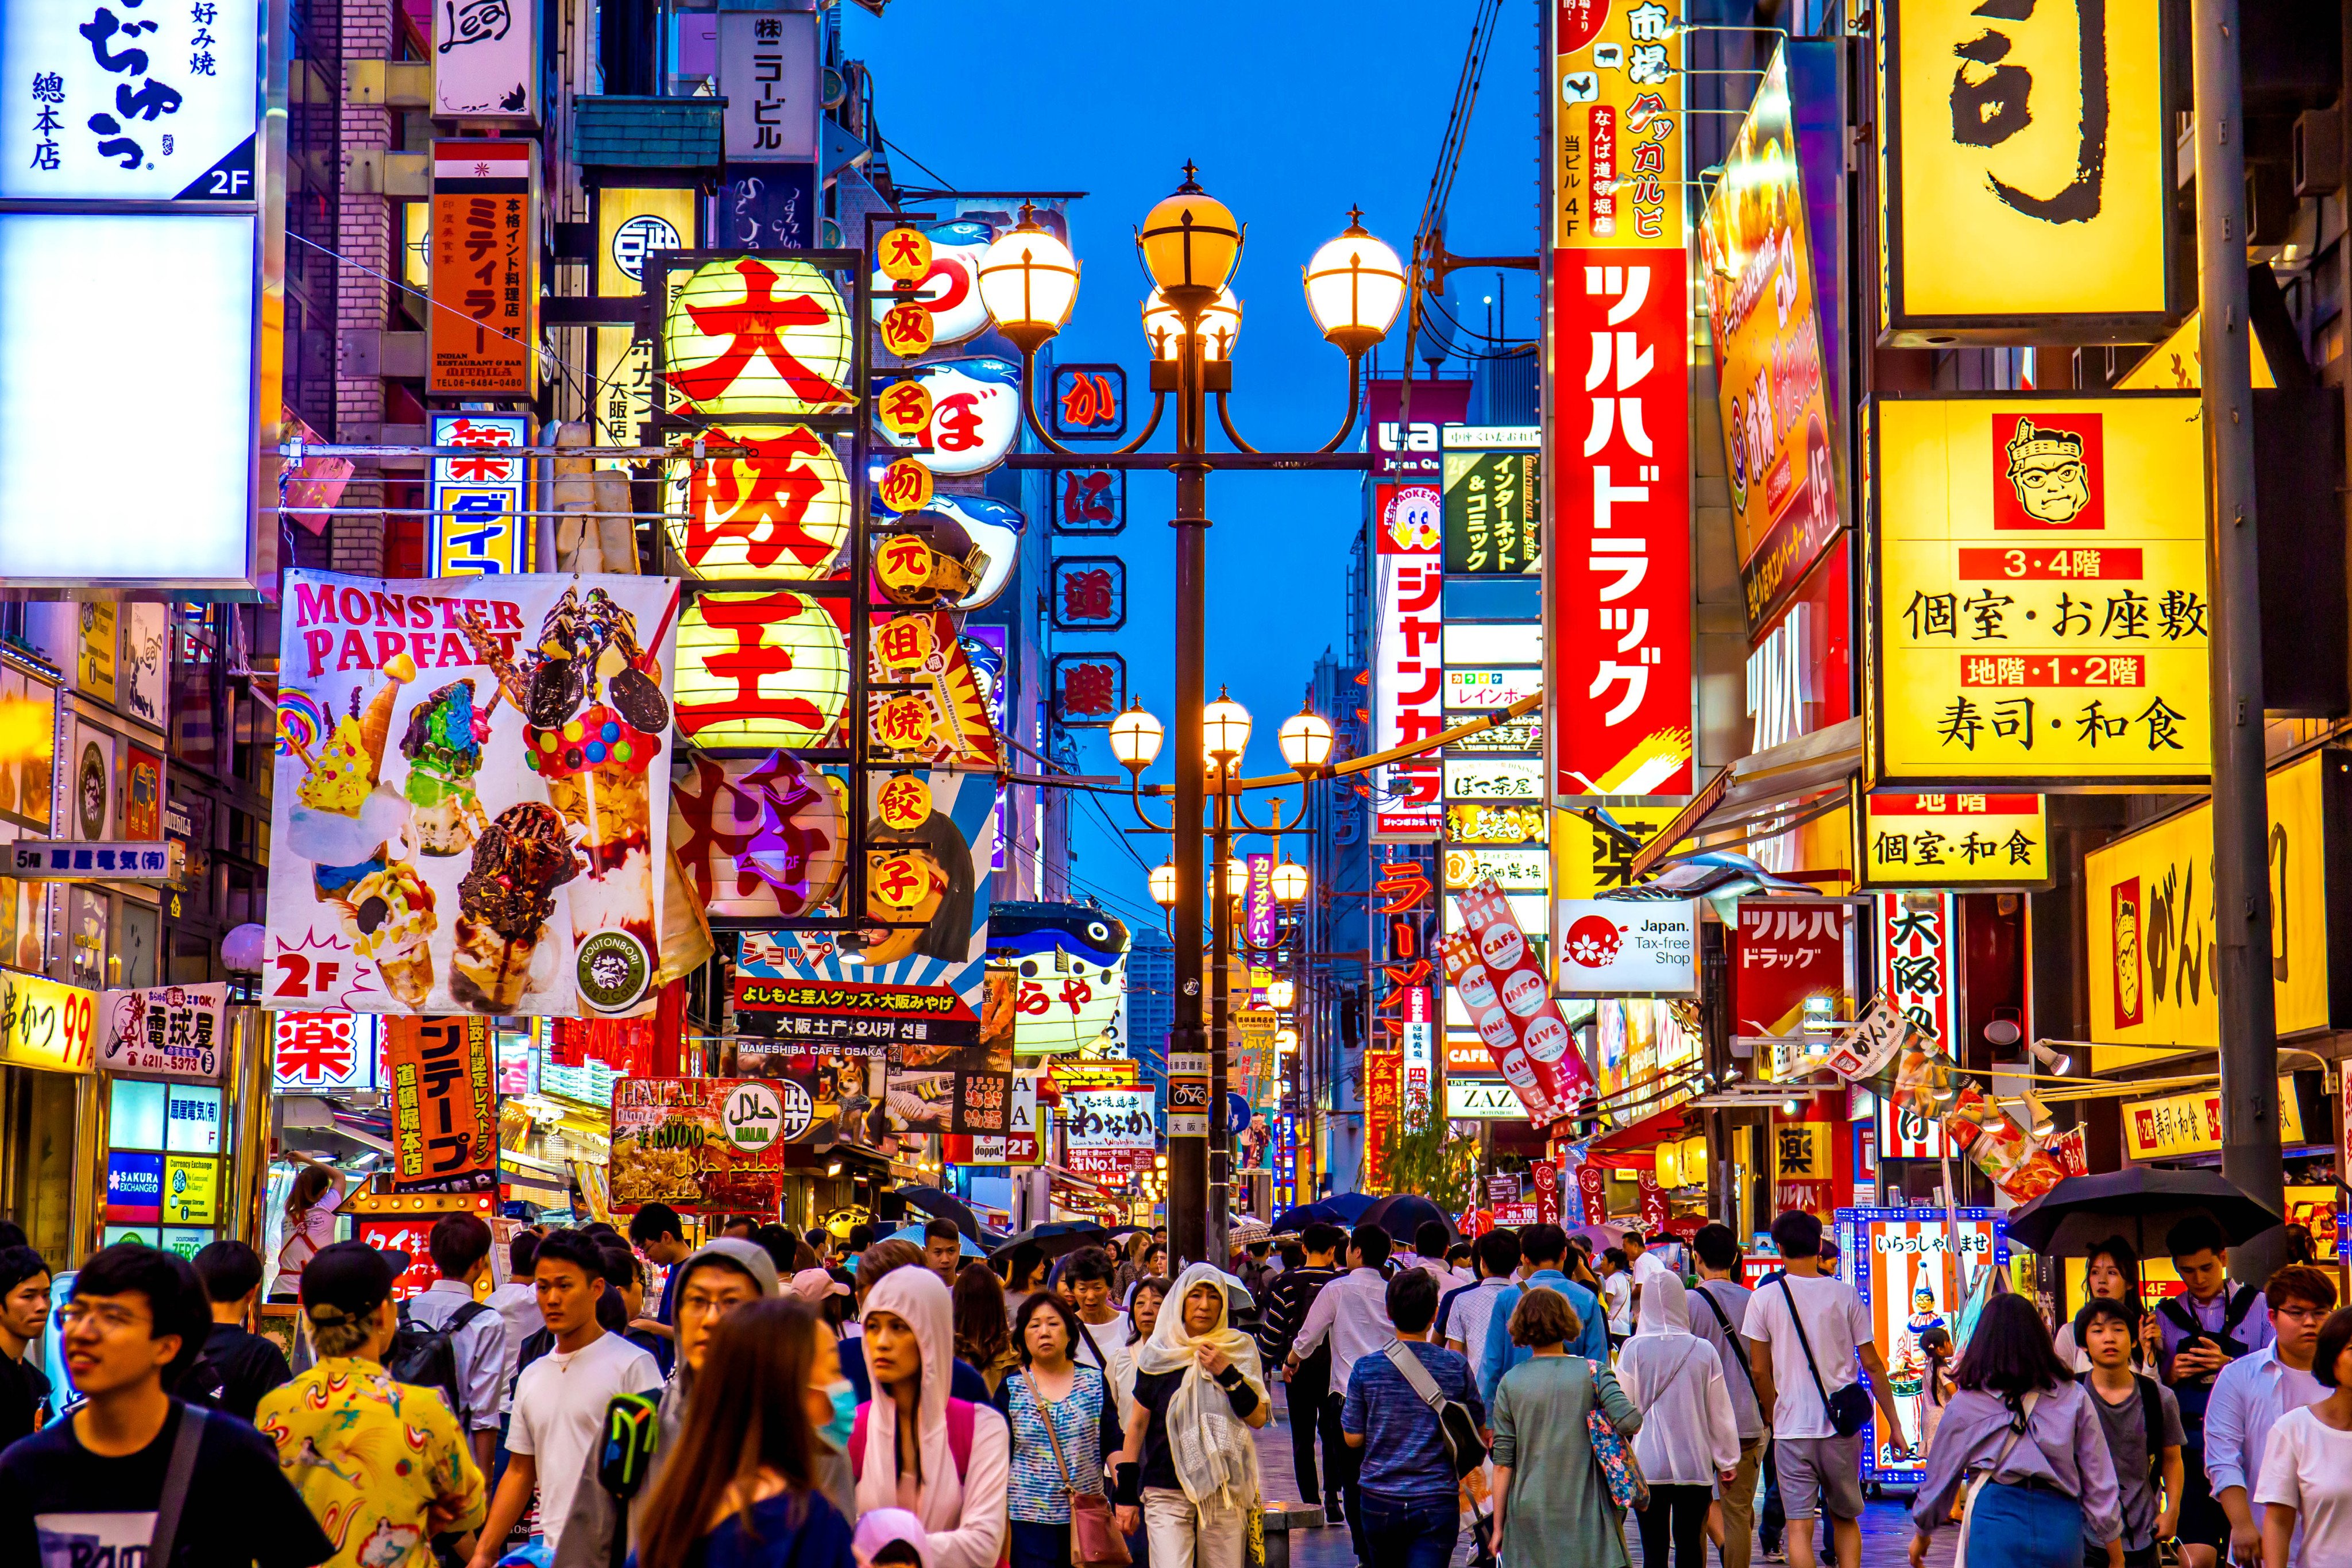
(759, 669)
(903, 724)
(756, 334)
(904, 642)
(899, 881)
(904, 255)
(904, 802)
(904, 564)
(907, 330)
(782, 510)
(904, 407)
(904, 485)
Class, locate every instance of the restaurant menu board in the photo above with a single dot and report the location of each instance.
(704, 1144)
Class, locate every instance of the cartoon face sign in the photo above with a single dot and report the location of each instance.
(2048, 473)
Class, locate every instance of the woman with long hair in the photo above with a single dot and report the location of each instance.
(1936, 1385)
(2022, 1437)
(2112, 1271)
(1063, 1424)
(1552, 1504)
(982, 1341)
(1199, 1393)
(742, 1490)
(1689, 1441)
(310, 1206)
(1025, 1272)
(943, 1460)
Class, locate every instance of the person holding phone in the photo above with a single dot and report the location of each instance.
(2201, 1330)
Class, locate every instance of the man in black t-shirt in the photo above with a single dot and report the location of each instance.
(236, 1367)
(24, 1314)
(88, 1489)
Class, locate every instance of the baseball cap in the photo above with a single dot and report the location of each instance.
(350, 1275)
(881, 1527)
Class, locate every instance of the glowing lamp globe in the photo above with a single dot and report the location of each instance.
(1290, 882)
(1163, 885)
(1190, 243)
(1221, 327)
(1306, 741)
(1280, 993)
(1237, 878)
(1225, 729)
(1135, 737)
(759, 669)
(1355, 286)
(1029, 281)
(753, 334)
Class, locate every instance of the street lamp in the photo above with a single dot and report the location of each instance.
(1290, 882)
(1224, 730)
(1306, 741)
(1190, 245)
(1163, 885)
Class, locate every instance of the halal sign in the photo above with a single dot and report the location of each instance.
(754, 1117)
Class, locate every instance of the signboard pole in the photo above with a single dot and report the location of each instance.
(2250, 1118)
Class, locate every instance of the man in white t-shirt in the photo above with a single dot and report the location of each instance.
(1645, 1266)
(560, 1399)
(1818, 1469)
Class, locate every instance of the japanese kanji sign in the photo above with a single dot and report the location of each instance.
(760, 837)
(2191, 1123)
(946, 282)
(165, 1031)
(1089, 688)
(768, 74)
(1952, 840)
(779, 512)
(1090, 500)
(1111, 1132)
(1492, 521)
(1089, 593)
(2026, 171)
(1914, 959)
(1756, 253)
(1090, 402)
(483, 331)
(105, 102)
(1408, 676)
(2148, 903)
(322, 1052)
(477, 526)
(445, 1111)
(2037, 591)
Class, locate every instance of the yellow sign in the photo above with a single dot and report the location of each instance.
(46, 1025)
(2037, 592)
(1587, 861)
(2149, 902)
(1757, 267)
(631, 224)
(1953, 840)
(2026, 171)
(94, 661)
(1617, 85)
(2181, 1124)
(191, 1190)
(1800, 1150)
(2174, 365)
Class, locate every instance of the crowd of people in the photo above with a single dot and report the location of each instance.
(784, 1402)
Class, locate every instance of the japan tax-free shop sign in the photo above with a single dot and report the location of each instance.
(2038, 607)
(134, 260)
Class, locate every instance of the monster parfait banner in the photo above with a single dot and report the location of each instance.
(1616, 463)
(2037, 591)
(466, 776)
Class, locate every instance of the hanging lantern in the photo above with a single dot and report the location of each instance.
(759, 838)
(945, 721)
(759, 669)
(904, 407)
(903, 724)
(903, 642)
(904, 485)
(899, 881)
(903, 255)
(944, 570)
(781, 511)
(904, 802)
(903, 565)
(757, 335)
(905, 329)
(975, 414)
(946, 291)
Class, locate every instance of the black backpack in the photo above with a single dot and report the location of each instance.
(427, 1357)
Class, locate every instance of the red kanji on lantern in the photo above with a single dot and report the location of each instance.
(763, 500)
(752, 658)
(903, 641)
(754, 327)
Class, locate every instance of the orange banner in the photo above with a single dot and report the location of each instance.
(444, 1108)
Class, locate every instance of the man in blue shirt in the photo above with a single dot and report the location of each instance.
(1411, 1510)
(1545, 1248)
(2252, 1392)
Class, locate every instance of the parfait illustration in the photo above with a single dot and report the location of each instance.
(342, 820)
(504, 904)
(443, 744)
(595, 719)
(388, 913)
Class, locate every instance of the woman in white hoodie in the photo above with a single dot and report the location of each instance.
(947, 1461)
(1689, 1440)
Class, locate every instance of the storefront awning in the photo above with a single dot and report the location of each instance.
(1647, 1133)
(1772, 790)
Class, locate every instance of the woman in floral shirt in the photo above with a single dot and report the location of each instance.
(1085, 1420)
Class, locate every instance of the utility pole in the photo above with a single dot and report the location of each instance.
(2241, 913)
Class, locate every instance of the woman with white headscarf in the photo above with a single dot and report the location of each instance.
(1689, 1440)
(1199, 1390)
(946, 1461)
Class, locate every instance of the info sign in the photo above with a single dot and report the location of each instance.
(2038, 600)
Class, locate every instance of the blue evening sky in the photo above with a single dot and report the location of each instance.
(1294, 113)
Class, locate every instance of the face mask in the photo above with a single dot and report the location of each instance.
(844, 1413)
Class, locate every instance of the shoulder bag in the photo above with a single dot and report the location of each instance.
(1094, 1538)
(1620, 1471)
(179, 1474)
(1459, 1433)
(1731, 1336)
(1849, 1408)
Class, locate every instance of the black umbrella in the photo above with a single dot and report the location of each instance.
(1403, 1214)
(1055, 1237)
(1298, 1217)
(944, 1205)
(2142, 1205)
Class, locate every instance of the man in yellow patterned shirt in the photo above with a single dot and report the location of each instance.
(381, 1464)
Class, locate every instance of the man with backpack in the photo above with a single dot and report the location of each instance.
(236, 1367)
(2202, 1330)
(2141, 1421)
(450, 1341)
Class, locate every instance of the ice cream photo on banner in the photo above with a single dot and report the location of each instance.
(499, 857)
